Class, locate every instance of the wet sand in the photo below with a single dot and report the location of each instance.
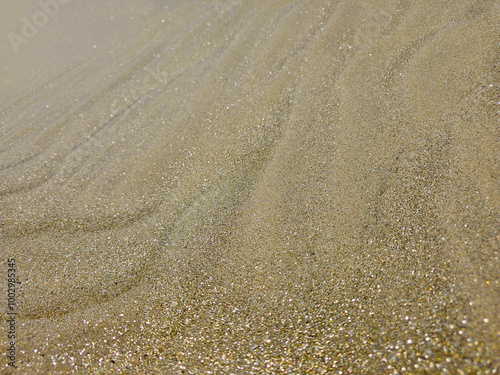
(252, 186)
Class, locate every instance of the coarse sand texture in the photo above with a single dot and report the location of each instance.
(250, 187)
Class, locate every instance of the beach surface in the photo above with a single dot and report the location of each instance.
(247, 187)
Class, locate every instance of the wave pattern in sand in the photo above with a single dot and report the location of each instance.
(251, 186)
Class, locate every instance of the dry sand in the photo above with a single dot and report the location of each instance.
(252, 186)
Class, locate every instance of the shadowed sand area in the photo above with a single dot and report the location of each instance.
(252, 186)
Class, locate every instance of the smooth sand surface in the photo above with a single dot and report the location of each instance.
(252, 186)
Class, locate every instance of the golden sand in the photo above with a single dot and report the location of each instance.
(252, 186)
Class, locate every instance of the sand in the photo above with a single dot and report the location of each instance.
(251, 186)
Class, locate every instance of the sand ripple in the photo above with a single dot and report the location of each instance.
(251, 186)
